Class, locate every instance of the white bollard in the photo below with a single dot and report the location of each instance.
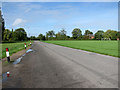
(7, 54)
(8, 74)
(25, 45)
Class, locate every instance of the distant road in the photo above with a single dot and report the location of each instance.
(53, 66)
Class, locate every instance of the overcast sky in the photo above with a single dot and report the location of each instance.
(39, 17)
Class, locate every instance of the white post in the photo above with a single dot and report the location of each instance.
(7, 54)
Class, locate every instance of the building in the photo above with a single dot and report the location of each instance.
(91, 36)
(118, 38)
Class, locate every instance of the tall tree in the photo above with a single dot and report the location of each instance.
(77, 33)
(6, 34)
(20, 34)
(58, 36)
(40, 36)
(11, 36)
(50, 34)
(99, 35)
(46, 35)
(118, 34)
(61, 35)
(2, 25)
(43, 38)
(110, 34)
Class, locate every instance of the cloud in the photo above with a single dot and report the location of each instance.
(28, 6)
(18, 21)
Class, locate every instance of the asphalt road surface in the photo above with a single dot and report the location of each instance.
(53, 66)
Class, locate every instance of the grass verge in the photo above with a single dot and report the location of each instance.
(13, 48)
(102, 47)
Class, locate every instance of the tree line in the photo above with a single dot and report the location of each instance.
(21, 35)
(17, 35)
(77, 35)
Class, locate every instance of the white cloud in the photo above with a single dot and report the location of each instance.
(18, 21)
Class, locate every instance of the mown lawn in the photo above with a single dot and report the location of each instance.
(102, 47)
(13, 47)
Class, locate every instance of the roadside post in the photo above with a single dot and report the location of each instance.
(8, 74)
(7, 54)
(30, 43)
(25, 45)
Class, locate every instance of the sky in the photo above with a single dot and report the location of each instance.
(40, 17)
(60, 0)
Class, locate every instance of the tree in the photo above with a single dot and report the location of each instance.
(61, 35)
(99, 35)
(85, 37)
(20, 34)
(43, 38)
(58, 36)
(11, 36)
(2, 25)
(6, 34)
(40, 36)
(50, 34)
(46, 36)
(32, 38)
(114, 35)
(68, 37)
(87, 32)
(111, 34)
(77, 33)
(118, 34)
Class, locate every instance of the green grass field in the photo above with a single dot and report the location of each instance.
(13, 47)
(102, 47)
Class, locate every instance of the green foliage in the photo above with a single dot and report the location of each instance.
(7, 35)
(85, 37)
(33, 38)
(61, 35)
(40, 36)
(17, 35)
(118, 34)
(99, 35)
(50, 33)
(43, 38)
(20, 35)
(111, 34)
(77, 33)
(87, 32)
(2, 25)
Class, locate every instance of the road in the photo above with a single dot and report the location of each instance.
(53, 66)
